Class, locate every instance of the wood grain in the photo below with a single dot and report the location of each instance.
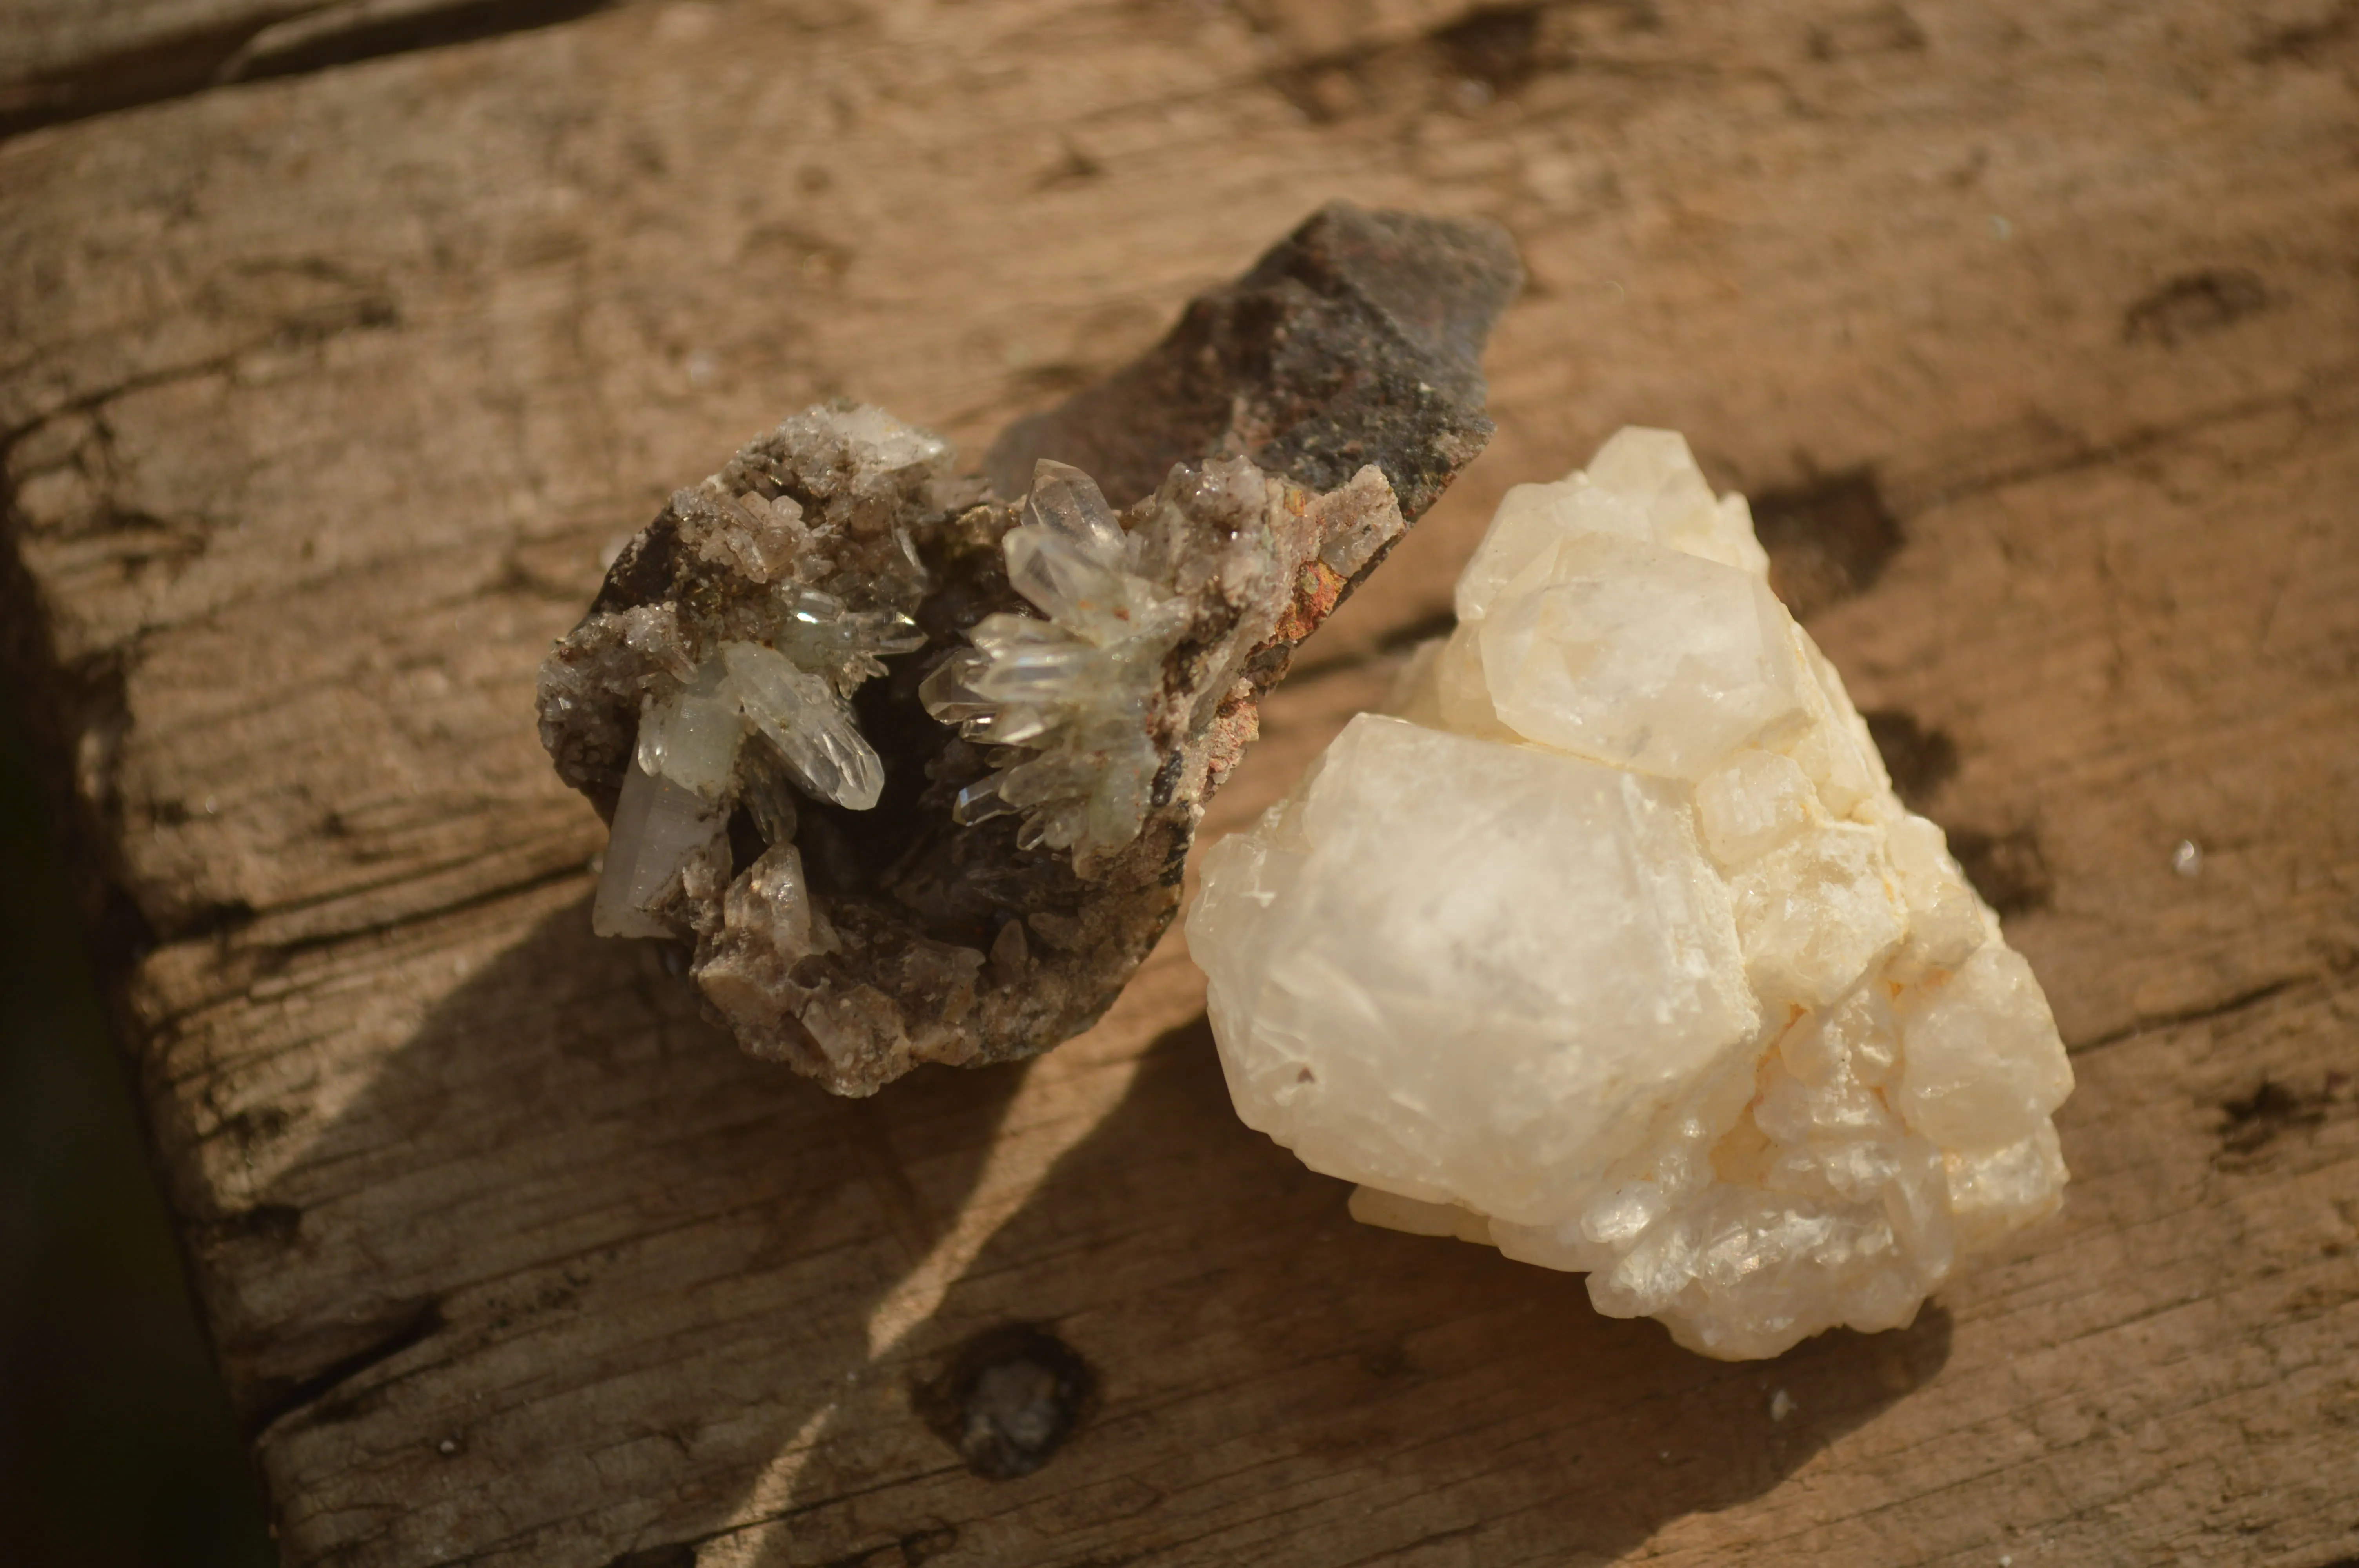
(321, 395)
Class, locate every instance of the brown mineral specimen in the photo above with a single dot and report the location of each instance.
(914, 768)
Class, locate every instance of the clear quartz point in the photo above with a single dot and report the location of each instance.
(659, 826)
(690, 736)
(1044, 672)
(800, 715)
(892, 633)
(1066, 503)
(813, 608)
(1012, 725)
(981, 801)
(1066, 580)
(946, 691)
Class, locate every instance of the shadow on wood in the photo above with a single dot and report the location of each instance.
(564, 1168)
(1376, 1392)
(707, 1337)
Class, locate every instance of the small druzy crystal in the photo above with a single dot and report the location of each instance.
(1610, 947)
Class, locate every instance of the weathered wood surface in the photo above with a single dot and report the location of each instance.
(320, 396)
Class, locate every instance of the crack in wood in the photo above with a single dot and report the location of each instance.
(271, 42)
(89, 401)
(499, 893)
(675, 1554)
(2155, 1023)
(277, 1399)
(1913, 497)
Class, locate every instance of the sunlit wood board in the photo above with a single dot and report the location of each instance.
(2034, 331)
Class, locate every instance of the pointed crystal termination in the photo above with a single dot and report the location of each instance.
(1612, 948)
(914, 766)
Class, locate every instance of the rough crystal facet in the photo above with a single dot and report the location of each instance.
(1612, 948)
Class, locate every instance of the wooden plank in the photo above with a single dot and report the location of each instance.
(322, 396)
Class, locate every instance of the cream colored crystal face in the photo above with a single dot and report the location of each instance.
(1612, 948)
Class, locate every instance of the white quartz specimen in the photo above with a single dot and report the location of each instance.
(1612, 948)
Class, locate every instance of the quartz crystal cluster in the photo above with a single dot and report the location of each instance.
(1610, 946)
(911, 760)
(800, 587)
(1071, 693)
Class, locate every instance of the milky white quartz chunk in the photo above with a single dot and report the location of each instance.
(1612, 948)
